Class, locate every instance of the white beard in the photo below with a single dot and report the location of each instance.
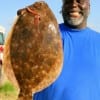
(74, 21)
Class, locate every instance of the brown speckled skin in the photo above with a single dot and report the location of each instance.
(33, 50)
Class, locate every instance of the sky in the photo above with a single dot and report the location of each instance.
(8, 9)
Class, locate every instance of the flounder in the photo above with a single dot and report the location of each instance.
(33, 53)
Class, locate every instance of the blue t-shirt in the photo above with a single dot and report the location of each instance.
(80, 76)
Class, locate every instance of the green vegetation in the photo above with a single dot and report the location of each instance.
(7, 88)
(8, 91)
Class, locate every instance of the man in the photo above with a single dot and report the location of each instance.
(80, 76)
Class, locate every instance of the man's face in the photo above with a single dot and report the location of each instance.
(75, 12)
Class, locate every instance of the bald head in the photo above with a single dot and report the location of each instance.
(88, 1)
